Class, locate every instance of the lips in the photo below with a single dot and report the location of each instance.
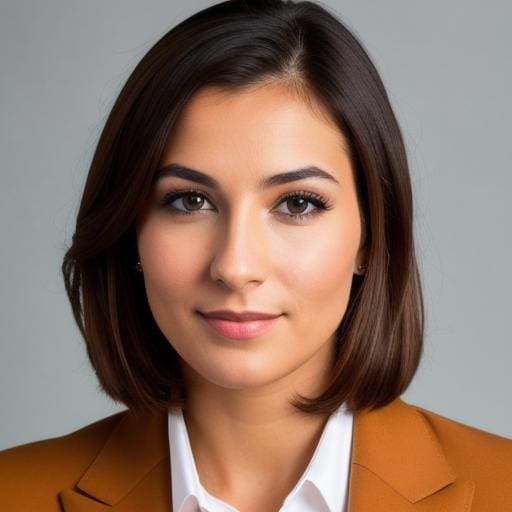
(239, 316)
(239, 329)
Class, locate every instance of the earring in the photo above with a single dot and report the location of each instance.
(361, 268)
(138, 266)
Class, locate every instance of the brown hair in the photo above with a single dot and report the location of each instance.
(237, 44)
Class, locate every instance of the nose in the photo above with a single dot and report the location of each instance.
(240, 251)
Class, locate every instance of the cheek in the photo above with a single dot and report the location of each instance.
(172, 261)
(320, 273)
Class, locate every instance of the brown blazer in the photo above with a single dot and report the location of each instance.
(404, 459)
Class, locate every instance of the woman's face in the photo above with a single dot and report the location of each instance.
(239, 247)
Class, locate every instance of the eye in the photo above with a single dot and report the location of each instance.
(189, 198)
(297, 202)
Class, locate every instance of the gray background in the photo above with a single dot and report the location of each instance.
(447, 68)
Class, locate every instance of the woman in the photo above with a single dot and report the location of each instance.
(244, 276)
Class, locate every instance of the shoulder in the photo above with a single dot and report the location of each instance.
(32, 474)
(462, 437)
(474, 453)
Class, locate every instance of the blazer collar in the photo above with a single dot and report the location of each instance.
(131, 471)
(396, 463)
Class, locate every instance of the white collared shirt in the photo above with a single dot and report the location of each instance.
(322, 487)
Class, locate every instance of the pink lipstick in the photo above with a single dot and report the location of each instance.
(239, 330)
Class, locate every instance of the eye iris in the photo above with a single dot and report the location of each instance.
(299, 202)
(193, 204)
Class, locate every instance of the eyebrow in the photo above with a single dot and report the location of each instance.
(302, 173)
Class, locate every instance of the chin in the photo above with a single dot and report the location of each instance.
(239, 377)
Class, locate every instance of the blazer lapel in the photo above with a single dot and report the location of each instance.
(396, 464)
(130, 473)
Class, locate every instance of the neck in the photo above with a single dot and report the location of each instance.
(253, 442)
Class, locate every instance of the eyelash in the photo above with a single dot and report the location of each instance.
(318, 201)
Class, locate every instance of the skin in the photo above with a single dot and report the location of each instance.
(241, 251)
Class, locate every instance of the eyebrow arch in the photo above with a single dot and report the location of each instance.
(302, 173)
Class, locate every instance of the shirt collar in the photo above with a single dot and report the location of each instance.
(327, 472)
(186, 488)
(328, 469)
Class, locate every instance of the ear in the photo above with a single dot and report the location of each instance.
(362, 254)
(361, 259)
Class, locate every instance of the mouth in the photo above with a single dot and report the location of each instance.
(239, 329)
(238, 316)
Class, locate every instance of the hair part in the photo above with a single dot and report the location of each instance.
(236, 45)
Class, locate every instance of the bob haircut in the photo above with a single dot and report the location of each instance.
(236, 45)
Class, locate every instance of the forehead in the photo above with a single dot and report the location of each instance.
(265, 125)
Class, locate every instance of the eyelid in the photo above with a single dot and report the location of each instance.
(191, 190)
(320, 202)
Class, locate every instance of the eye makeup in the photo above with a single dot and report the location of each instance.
(320, 203)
